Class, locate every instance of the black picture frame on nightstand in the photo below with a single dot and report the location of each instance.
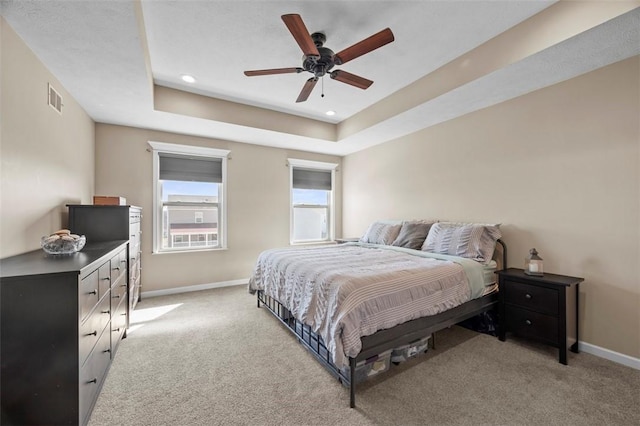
(542, 308)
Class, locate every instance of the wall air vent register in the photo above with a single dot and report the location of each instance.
(55, 100)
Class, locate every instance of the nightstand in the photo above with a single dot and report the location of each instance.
(540, 308)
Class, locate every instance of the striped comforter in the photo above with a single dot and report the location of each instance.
(348, 291)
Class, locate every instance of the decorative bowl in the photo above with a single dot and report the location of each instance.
(57, 244)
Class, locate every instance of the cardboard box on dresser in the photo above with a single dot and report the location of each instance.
(102, 200)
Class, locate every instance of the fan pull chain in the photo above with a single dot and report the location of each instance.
(322, 94)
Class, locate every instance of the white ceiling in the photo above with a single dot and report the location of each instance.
(96, 50)
(217, 41)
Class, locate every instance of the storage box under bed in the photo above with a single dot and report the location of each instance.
(410, 350)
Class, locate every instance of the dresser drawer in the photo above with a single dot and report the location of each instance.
(118, 325)
(119, 319)
(118, 275)
(532, 324)
(104, 279)
(92, 327)
(134, 233)
(118, 266)
(118, 291)
(540, 299)
(92, 374)
(134, 294)
(134, 272)
(135, 216)
(88, 296)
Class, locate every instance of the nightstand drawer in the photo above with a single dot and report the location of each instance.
(540, 299)
(532, 324)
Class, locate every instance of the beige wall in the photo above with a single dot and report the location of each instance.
(257, 205)
(559, 168)
(46, 159)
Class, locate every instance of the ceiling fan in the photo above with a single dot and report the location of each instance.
(319, 60)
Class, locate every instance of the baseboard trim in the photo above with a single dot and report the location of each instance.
(177, 290)
(623, 359)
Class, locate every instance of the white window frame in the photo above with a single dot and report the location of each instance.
(162, 147)
(313, 165)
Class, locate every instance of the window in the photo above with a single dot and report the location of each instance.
(311, 200)
(189, 196)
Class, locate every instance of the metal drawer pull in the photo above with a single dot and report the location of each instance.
(123, 261)
(93, 292)
(106, 312)
(106, 351)
(95, 333)
(106, 278)
(527, 296)
(117, 296)
(117, 268)
(94, 380)
(528, 322)
(116, 330)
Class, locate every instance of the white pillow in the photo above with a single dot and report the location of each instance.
(381, 232)
(471, 240)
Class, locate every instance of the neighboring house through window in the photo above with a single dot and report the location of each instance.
(189, 197)
(312, 200)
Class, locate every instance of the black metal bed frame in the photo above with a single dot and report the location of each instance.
(382, 340)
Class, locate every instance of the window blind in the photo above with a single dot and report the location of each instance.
(190, 168)
(311, 179)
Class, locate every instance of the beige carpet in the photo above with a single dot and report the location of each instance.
(213, 358)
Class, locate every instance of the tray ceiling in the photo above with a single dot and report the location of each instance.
(123, 62)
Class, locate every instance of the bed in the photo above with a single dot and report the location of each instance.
(400, 283)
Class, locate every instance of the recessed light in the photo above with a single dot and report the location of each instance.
(188, 78)
(330, 112)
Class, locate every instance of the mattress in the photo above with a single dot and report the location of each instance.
(352, 290)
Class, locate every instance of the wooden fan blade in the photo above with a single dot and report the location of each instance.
(254, 73)
(301, 34)
(365, 46)
(352, 79)
(306, 89)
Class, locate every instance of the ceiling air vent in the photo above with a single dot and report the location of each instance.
(55, 100)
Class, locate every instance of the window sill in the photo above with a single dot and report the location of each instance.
(313, 243)
(347, 240)
(190, 251)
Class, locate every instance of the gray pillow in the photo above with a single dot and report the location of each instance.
(412, 234)
(470, 240)
(381, 233)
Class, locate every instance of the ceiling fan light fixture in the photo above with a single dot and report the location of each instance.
(319, 60)
(188, 78)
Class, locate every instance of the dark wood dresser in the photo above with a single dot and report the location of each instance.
(105, 223)
(62, 318)
(544, 308)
